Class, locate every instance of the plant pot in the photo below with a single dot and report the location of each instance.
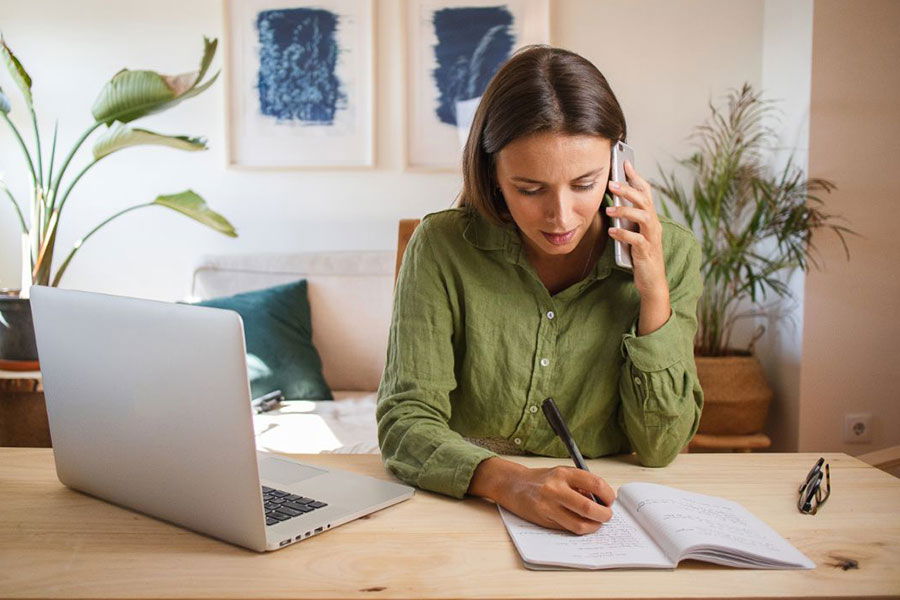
(736, 394)
(16, 329)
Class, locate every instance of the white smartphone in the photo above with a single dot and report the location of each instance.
(620, 153)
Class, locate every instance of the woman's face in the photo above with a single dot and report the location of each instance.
(553, 185)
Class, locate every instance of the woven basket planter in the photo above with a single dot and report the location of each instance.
(736, 394)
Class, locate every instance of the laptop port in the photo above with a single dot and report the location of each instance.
(298, 537)
(318, 529)
(284, 542)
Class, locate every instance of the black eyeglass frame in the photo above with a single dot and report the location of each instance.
(812, 488)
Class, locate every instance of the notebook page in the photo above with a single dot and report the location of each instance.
(681, 520)
(620, 542)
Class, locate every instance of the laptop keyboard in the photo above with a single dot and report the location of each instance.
(281, 506)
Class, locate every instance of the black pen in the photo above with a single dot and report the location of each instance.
(559, 426)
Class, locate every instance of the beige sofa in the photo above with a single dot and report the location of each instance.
(350, 295)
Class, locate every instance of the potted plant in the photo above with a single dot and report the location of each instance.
(755, 226)
(128, 96)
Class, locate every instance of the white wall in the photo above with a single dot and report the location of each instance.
(682, 53)
(71, 48)
(786, 73)
(851, 327)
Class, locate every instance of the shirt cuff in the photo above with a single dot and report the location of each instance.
(450, 467)
(655, 351)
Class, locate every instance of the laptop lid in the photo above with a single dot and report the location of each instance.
(148, 406)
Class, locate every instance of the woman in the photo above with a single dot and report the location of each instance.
(513, 296)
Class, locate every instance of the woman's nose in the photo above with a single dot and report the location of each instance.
(558, 208)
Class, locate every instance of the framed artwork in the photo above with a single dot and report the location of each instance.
(453, 49)
(299, 78)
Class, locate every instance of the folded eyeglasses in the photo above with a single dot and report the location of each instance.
(812, 495)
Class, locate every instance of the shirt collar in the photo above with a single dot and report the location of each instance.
(484, 235)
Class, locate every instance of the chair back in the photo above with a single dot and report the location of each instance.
(404, 232)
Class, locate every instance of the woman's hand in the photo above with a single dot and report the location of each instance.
(558, 498)
(646, 244)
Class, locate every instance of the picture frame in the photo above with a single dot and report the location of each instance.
(299, 79)
(453, 48)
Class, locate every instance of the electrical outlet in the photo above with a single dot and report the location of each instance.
(858, 428)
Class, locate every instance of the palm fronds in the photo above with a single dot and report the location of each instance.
(754, 226)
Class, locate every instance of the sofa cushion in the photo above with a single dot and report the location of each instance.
(350, 295)
(280, 350)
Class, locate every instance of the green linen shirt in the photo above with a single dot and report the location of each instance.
(477, 343)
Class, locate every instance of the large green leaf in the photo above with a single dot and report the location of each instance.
(130, 95)
(19, 75)
(209, 50)
(121, 136)
(192, 205)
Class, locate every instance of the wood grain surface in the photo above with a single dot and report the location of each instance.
(58, 543)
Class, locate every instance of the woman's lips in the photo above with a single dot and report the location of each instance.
(560, 239)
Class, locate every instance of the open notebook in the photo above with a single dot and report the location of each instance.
(656, 527)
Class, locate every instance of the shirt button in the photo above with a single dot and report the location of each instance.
(551, 314)
(637, 381)
(518, 441)
(533, 409)
(545, 362)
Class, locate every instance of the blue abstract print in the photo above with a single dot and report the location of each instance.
(298, 53)
(472, 44)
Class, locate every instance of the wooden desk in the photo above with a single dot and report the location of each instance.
(57, 543)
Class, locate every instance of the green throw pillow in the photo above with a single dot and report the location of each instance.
(278, 333)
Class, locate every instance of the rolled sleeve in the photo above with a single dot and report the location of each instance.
(450, 467)
(655, 351)
(661, 397)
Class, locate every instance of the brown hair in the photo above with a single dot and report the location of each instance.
(539, 88)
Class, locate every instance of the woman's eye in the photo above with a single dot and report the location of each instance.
(580, 188)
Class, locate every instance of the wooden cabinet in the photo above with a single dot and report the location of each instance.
(23, 414)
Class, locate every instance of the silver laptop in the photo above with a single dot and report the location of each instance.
(149, 408)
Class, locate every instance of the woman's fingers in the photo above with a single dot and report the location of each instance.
(637, 190)
(589, 482)
(634, 178)
(636, 240)
(573, 497)
(585, 508)
(565, 521)
(638, 215)
(648, 222)
(574, 522)
(635, 196)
